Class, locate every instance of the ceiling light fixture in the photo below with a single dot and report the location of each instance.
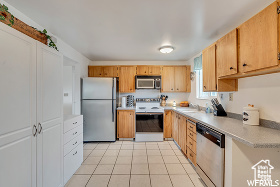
(166, 49)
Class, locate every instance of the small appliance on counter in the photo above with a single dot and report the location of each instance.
(251, 115)
(129, 100)
(124, 102)
(218, 108)
(163, 99)
(174, 104)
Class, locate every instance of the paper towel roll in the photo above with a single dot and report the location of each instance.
(124, 102)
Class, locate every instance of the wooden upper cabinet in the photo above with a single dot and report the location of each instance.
(95, 71)
(258, 40)
(167, 79)
(148, 70)
(110, 71)
(226, 54)
(127, 79)
(181, 79)
(103, 71)
(142, 70)
(167, 127)
(154, 70)
(126, 124)
(209, 68)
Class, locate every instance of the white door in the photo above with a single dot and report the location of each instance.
(17, 108)
(49, 117)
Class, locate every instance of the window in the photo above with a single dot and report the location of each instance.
(199, 88)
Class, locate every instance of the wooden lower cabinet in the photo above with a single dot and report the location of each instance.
(191, 156)
(175, 129)
(191, 142)
(126, 124)
(167, 126)
(183, 133)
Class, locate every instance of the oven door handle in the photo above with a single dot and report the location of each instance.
(149, 113)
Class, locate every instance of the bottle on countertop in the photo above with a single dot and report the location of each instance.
(174, 103)
(208, 110)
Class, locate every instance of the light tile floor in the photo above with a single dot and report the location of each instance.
(134, 164)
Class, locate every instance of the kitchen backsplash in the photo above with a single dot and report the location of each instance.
(177, 97)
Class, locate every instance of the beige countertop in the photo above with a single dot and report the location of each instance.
(254, 136)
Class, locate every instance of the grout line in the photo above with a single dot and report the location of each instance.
(114, 165)
(97, 164)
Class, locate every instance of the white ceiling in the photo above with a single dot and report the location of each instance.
(135, 29)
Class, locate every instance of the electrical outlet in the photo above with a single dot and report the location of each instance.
(222, 96)
(230, 97)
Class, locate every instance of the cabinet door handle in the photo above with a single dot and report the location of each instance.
(171, 88)
(40, 128)
(75, 153)
(34, 129)
(190, 143)
(244, 64)
(177, 89)
(231, 68)
(75, 143)
(204, 87)
(75, 133)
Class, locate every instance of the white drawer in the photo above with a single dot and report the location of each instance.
(68, 136)
(73, 143)
(72, 162)
(72, 123)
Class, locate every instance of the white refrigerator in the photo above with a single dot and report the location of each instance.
(99, 97)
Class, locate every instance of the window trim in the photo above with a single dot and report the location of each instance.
(199, 87)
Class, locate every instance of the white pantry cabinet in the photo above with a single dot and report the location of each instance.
(30, 111)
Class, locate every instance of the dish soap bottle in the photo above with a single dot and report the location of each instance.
(208, 110)
(174, 103)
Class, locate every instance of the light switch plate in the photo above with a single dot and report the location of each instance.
(230, 97)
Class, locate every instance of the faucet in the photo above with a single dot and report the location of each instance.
(192, 105)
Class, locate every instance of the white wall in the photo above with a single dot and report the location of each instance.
(63, 47)
(178, 97)
(261, 91)
(67, 89)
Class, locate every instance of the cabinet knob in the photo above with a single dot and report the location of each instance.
(231, 68)
(177, 89)
(244, 64)
(145, 72)
(204, 87)
(171, 88)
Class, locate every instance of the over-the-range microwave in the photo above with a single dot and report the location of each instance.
(148, 82)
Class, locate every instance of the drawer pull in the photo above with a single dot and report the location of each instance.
(75, 133)
(191, 126)
(191, 134)
(75, 123)
(190, 143)
(191, 155)
(75, 153)
(75, 143)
